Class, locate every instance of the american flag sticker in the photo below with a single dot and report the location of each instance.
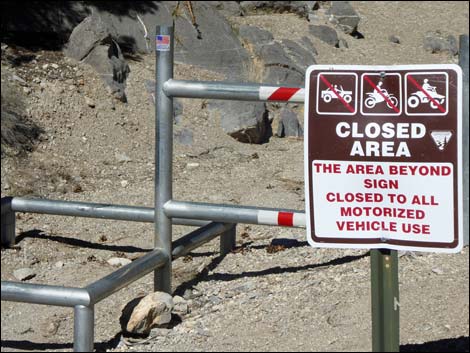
(163, 43)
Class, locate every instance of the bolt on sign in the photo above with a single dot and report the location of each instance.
(383, 157)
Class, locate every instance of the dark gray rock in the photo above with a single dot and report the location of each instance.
(289, 124)
(212, 45)
(255, 35)
(342, 14)
(245, 121)
(394, 39)
(302, 57)
(307, 44)
(437, 41)
(92, 42)
(227, 8)
(325, 34)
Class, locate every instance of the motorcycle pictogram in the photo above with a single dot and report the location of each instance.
(375, 97)
(421, 97)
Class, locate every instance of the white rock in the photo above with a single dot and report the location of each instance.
(192, 165)
(89, 102)
(23, 274)
(153, 310)
(180, 305)
(124, 183)
(55, 66)
(45, 66)
(59, 264)
(118, 261)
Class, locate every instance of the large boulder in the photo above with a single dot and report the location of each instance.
(343, 15)
(289, 125)
(245, 121)
(325, 34)
(92, 42)
(437, 41)
(301, 8)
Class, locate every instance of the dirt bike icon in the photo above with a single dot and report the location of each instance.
(422, 98)
(375, 97)
(327, 95)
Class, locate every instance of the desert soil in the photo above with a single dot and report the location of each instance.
(260, 297)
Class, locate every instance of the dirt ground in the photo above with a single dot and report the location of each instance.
(295, 298)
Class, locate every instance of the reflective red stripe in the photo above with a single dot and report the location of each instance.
(285, 219)
(283, 94)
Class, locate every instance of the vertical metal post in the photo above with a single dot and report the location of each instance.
(228, 240)
(84, 327)
(463, 62)
(163, 153)
(385, 301)
(7, 223)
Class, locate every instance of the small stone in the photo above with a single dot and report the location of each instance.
(124, 183)
(118, 261)
(24, 274)
(20, 80)
(192, 165)
(89, 102)
(50, 328)
(59, 264)
(27, 90)
(437, 271)
(55, 66)
(45, 66)
(180, 305)
(122, 157)
(394, 39)
(153, 310)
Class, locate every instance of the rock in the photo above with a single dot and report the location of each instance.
(227, 8)
(302, 57)
(19, 79)
(59, 264)
(196, 44)
(124, 183)
(55, 66)
(92, 42)
(24, 274)
(27, 90)
(192, 165)
(438, 271)
(307, 44)
(123, 158)
(184, 137)
(394, 39)
(50, 327)
(325, 34)
(342, 14)
(118, 261)
(45, 66)
(289, 124)
(245, 121)
(437, 41)
(342, 43)
(180, 305)
(153, 310)
(255, 35)
(90, 102)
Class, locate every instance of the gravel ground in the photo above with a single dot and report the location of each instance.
(274, 293)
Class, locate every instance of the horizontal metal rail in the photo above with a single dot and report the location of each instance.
(89, 210)
(233, 91)
(44, 294)
(126, 275)
(235, 214)
(193, 240)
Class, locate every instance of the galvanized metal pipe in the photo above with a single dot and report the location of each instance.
(163, 156)
(84, 328)
(464, 62)
(89, 210)
(233, 91)
(126, 275)
(235, 214)
(193, 240)
(44, 294)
